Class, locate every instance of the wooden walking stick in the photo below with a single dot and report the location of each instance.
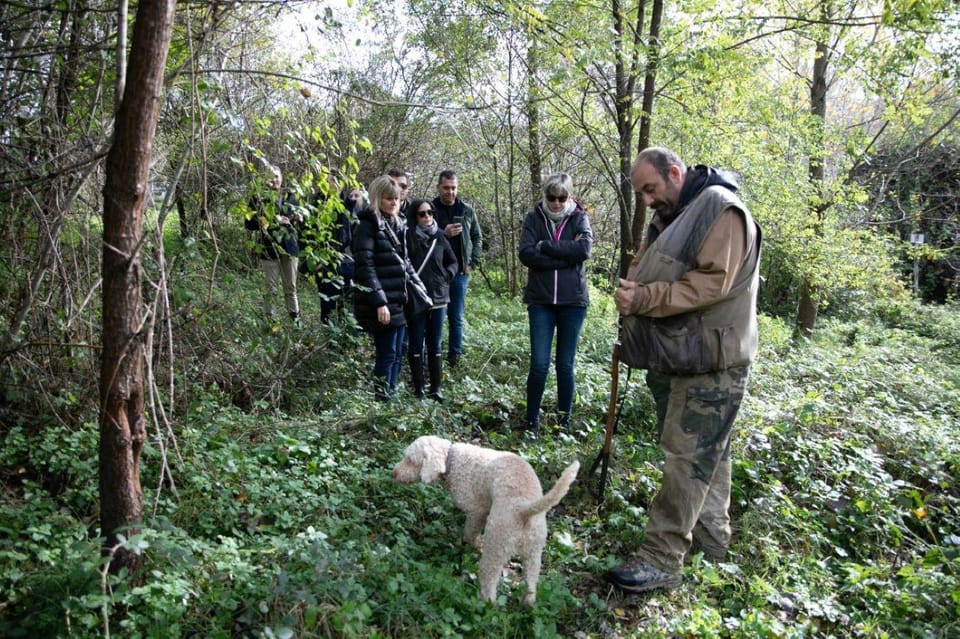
(613, 417)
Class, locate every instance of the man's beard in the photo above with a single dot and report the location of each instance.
(662, 207)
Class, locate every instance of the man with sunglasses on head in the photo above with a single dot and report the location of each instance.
(555, 241)
(459, 225)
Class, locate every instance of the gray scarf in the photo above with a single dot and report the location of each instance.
(567, 209)
(427, 232)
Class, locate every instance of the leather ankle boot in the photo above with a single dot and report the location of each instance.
(436, 375)
(531, 429)
(416, 372)
(381, 392)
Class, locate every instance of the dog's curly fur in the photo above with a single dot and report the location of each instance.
(501, 496)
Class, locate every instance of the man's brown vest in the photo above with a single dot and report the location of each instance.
(708, 339)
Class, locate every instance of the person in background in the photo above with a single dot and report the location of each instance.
(336, 281)
(276, 218)
(555, 241)
(436, 264)
(402, 178)
(380, 277)
(697, 275)
(459, 224)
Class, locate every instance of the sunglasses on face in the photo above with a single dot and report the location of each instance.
(425, 213)
(556, 198)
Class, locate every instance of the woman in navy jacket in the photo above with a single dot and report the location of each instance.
(435, 261)
(554, 244)
(380, 281)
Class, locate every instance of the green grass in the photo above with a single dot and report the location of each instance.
(283, 520)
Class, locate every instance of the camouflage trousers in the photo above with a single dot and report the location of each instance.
(695, 416)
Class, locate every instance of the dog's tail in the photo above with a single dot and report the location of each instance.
(555, 494)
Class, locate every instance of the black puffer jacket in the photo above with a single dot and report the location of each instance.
(554, 255)
(441, 268)
(380, 277)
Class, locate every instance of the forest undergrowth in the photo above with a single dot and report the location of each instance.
(269, 509)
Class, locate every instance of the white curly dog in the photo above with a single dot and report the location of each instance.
(501, 496)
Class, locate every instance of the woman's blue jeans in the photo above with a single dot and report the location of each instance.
(426, 328)
(456, 308)
(566, 321)
(388, 343)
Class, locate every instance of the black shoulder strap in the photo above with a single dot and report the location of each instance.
(397, 247)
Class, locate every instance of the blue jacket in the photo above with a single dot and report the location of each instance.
(554, 255)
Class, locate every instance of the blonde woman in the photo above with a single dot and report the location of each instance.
(380, 281)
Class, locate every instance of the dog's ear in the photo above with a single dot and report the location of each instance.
(434, 462)
(432, 469)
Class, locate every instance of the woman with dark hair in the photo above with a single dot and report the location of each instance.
(555, 241)
(380, 281)
(435, 262)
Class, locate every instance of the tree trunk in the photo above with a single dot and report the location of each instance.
(809, 303)
(807, 310)
(534, 157)
(186, 228)
(625, 73)
(646, 113)
(122, 423)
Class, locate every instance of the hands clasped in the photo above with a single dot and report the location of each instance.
(623, 297)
